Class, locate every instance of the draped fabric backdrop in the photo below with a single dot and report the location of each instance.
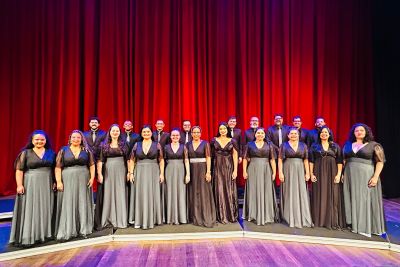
(64, 61)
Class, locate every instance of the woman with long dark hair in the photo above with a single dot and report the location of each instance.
(75, 169)
(326, 162)
(225, 161)
(112, 173)
(364, 159)
(33, 210)
(146, 173)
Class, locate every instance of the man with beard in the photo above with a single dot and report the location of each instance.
(313, 134)
(277, 133)
(249, 134)
(94, 137)
(303, 133)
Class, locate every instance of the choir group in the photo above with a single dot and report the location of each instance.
(155, 178)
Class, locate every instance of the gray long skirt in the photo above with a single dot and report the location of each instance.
(145, 198)
(363, 205)
(295, 202)
(74, 204)
(32, 218)
(175, 192)
(114, 194)
(259, 196)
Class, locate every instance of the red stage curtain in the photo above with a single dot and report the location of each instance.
(63, 61)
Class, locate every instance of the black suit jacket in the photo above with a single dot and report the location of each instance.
(249, 135)
(237, 136)
(183, 137)
(303, 135)
(95, 147)
(313, 137)
(273, 134)
(133, 138)
(164, 138)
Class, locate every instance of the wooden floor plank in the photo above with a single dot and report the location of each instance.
(219, 252)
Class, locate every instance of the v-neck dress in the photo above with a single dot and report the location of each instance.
(74, 204)
(145, 196)
(327, 207)
(33, 210)
(295, 202)
(259, 197)
(225, 190)
(175, 184)
(200, 194)
(114, 213)
(363, 204)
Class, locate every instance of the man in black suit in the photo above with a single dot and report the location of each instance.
(303, 133)
(129, 136)
(236, 134)
(313, 134)
(95, 136)
(186, 135)
(159, 135)
(278, 132)
(249, 134)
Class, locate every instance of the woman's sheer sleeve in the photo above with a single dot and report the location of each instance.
(20, 161)
(379, 153)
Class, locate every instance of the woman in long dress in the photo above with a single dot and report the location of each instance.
(200, 195)
(294, 173)
(146, 173)
(326, 162)
(259, 171)
(75, 169)
(112, 173)
(225, 161)
(33, 210)
(364, 159)
(177, 175)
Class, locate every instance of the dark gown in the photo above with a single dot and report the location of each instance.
(327, 207)
(175, 193)
(33, 210)
(363, 204)
(75, 203)
(295, 202)
(114, 213)
(145, 198)
(225, 191)
(259, 197)
(200, 195)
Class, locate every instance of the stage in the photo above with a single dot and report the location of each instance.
(243, 230)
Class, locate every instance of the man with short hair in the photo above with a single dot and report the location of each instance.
(159, 135)
(303, 133)
(278, 132)
(249, 134)
(128, 135)
(186, 136)
(95, 136)
(313, 134)
(236, 134)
